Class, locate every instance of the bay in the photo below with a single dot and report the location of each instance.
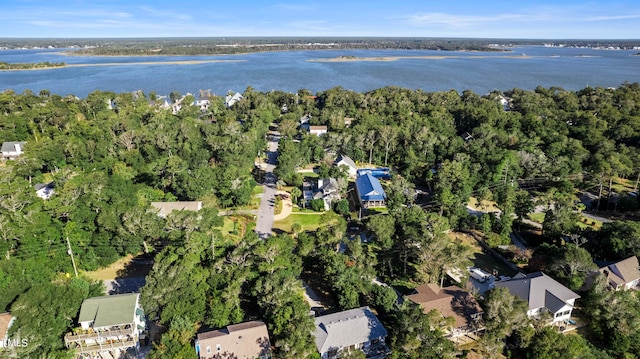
(481, 72)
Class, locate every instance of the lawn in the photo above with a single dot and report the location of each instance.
(480, 258)
(483, 206)
(235, 227)
(583, 222)
(309, 221)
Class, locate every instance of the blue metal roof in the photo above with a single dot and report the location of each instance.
(369, 188)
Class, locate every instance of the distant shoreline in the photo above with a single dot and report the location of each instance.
(180, 62)
(426, 57)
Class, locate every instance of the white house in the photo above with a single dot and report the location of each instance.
(318, 130)
(44, 190)
(343, 160)
(355, 329)
(230, 100)
(12, 150)
(543, 294)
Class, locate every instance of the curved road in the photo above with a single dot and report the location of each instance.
(264, 222)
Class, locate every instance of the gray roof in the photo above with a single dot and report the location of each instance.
(346, 160)
(539, 290)
(344, 329)
(625, 271)
(11, 146)
(109, 310)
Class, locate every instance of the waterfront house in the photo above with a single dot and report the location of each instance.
(110, 326)
(238, 341)
(355, 329)
(231, 100)
(164, 208)
(12, 150)
(451, 302)
(543, 294)
(370, 192)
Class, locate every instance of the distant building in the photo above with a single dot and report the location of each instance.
(110, 326)
(164, 208)
(355, 329)
(231, 100)
(543, 294)
(451, 302)
(370, 192)
(44, 190)
(318, 130)
(238, 341)
(12, 150)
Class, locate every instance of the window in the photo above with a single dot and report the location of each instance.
(208, 350)
(218, 348)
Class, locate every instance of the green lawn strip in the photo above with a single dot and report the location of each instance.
(537, 217)
(309, 222)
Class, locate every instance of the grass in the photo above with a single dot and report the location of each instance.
(537, 217)
(235, 227)
(590, 223)
(309, 222)
(483, 206)
(111, 271)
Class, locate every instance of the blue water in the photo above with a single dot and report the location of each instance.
(568, 68)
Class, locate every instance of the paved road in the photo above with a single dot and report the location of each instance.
(264, 221)
(124, 285)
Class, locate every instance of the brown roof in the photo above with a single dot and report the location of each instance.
(449, 301)
(5, 319)
(244, 340)
(622, 272)
(317, 128)
(164, 208)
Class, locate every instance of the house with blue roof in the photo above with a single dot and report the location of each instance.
(370, 192)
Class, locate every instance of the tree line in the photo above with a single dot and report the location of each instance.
(109, 155)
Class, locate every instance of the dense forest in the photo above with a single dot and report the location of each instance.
(109, 155)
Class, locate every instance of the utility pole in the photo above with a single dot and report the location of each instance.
(70, 252)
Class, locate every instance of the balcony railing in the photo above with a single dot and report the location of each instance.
(82, 348)
(100, 335)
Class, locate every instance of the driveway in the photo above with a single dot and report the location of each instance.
(287, 206)
(264, 222)
(124, 285)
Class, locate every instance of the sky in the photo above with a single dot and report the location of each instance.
(531, 19)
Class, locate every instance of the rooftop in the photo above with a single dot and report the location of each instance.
(622, 272)
(370, 188)
(539, 290)
(243, 340)
(344, 329)
(5, 320)
(167, 207)
(109, 310)
(449, 301)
